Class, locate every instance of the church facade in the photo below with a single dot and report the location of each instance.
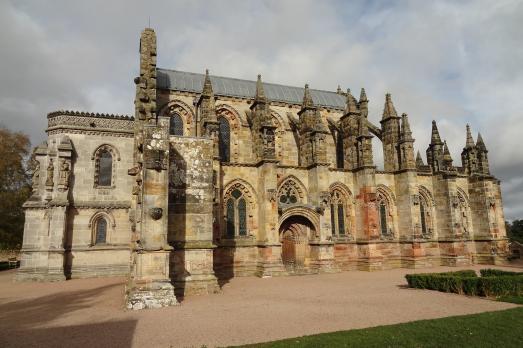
(217, 177)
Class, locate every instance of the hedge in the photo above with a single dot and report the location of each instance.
(467, 282)
(497, 272)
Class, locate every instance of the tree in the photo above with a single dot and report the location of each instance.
(515, 230)
(14, 186)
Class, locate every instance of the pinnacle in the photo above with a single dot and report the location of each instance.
(388, 109)
(435, 138)
(446, 153)
(480, 144)
(207, 85)
(419, 160)
(363, 96)
(406, 133)
(351, 102)
(470, 141)
(260, 93)
(307, 98)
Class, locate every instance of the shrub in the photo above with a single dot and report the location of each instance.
(496, 272)
(466, 282)
(506, 285)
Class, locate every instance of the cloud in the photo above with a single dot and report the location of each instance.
(456, 62)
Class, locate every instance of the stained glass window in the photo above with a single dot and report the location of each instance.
(383, 218)
(105, 169)
(423, 219)
(236, 194)
(333, 220)
(176, 125)
(341, 219)
(242, 217)
(230, 218)
(101, 231)
(224, 140)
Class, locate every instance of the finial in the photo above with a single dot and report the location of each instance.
(388, 109)
(363, 96)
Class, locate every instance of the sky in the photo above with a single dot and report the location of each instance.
(457, 62)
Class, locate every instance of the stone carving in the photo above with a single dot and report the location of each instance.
(49, 182)
(64, 175)
(91, 122)
(36, 175)
(156, 213)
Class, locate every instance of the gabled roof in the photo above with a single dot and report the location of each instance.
(231, 87)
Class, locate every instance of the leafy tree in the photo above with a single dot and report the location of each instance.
(14, 186)
(515, 230)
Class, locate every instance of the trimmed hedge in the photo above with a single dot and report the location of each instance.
(489, 272)
(467, 282)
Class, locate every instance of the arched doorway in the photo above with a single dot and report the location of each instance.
(295, 232)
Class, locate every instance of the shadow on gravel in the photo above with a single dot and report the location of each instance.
(20, 322)
(108, 334)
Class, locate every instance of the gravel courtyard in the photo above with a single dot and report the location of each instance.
(89, 312)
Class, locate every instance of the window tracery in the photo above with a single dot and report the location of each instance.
(224, 139)
(236, 214)
(176, 125)
(385, 217)
(104, 171)
(340, 213)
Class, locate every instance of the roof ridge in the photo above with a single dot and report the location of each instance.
(245, 80)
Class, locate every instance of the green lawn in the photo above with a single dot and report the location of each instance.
(491, 329)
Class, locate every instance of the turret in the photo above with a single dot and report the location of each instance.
(406, 145)
(390, 126)
(313, 132)
(208, 120)
(364, 144)
(469, 154)
(262, 125)
(435, 150)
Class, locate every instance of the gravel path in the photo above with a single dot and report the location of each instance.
(89, 312)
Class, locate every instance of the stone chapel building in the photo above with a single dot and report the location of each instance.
(217, 177)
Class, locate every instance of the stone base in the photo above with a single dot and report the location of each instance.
(200, 285)
(455, 261)
(416, 262)
(152, 295)
(370, 264)
(39, 275)
(486, 259)
(271, 264)
(193, 273)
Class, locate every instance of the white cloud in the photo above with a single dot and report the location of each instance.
(456, 62)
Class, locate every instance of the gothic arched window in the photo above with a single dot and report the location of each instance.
(176, 125)
(339, 209)
(383, 218)
(100, 231)
(423, 218)
(105, 168)
(224, 140)
(236, 215)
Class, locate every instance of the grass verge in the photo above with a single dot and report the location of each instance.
(490, 329)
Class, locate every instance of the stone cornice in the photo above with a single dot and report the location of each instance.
(101, 204)
(88, 114)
